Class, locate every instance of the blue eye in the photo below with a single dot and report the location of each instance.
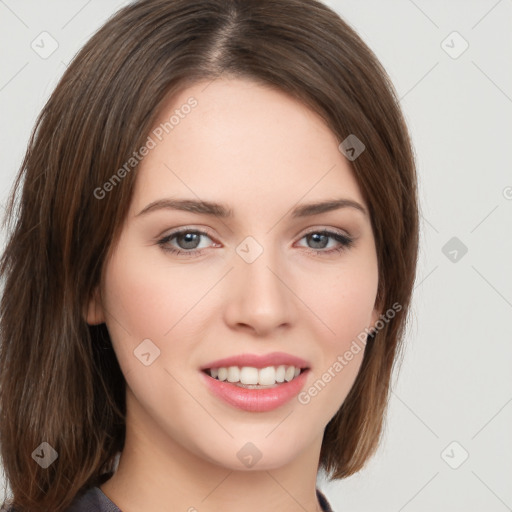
(318, 237)
(189, 239)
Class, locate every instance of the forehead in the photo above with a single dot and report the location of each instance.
(238, 142)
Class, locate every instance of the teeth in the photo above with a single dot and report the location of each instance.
(249, 375)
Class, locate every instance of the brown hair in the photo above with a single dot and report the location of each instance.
(60, 382)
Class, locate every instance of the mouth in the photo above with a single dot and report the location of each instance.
(242, 388)
(255, 378)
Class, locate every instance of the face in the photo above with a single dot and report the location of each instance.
(185, 288)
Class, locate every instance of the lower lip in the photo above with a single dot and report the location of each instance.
(256, 400)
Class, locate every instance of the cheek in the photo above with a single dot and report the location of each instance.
(344, 309)
(146, 298)
(343, 300)
(144, 303)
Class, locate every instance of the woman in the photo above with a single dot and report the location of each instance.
(212, 252)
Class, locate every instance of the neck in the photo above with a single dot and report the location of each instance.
(156, 472)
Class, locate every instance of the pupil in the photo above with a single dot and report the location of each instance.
(316, 236)
(188, 237)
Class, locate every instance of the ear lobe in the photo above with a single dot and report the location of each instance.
(95, 314)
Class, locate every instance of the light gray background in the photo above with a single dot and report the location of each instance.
(456, 382)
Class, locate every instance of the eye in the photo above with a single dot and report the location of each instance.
(320, 239)
(188, 241)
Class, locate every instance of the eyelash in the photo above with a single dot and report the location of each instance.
(345, 241)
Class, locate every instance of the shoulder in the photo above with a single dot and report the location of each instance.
(93, 500)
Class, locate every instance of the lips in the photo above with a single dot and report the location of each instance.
(258, 361)
(255, 400)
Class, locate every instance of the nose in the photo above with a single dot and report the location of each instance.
(259, 297)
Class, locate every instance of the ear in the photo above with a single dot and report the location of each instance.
(95, 314)
(376, 314)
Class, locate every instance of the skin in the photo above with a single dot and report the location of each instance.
(260, 152)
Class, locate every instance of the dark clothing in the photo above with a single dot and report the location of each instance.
(94, 500)
(326, 507)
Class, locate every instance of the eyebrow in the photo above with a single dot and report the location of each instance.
(222, 211)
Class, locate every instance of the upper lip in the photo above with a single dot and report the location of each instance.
(258, 361)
